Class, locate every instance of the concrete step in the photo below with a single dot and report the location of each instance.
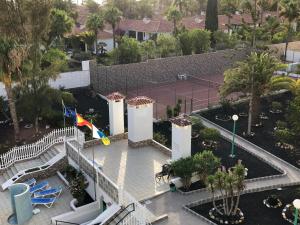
(9, 172)
(6, 176)
(51, 153)
(14, 170)
(2, 179)
(55, 150)
(43, 159)
(47, 156)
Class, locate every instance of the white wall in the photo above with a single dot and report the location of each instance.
(116, 117)
(109, 43)
(293, 56)
(2, 90)
(181, 141)
(140, 122)
(71, 80)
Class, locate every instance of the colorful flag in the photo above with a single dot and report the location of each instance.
(82, 122)
(97, 134)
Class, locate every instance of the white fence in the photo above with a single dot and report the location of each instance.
(29, 151)
(293, 56)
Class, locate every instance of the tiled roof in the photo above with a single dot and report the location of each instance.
(140, 100)
(115, 96)
(181, 121)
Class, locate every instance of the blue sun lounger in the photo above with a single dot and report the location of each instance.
(48, 202)
(53, 191)
(30, 182)
(38, 187)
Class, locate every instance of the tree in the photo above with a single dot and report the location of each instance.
(285, 82)
(186, 42)
(184, 168)
(229, 7)
(250, 7)
(210, 135)
(201, 40)
(291, 12)
(128, 51)
(271, 27)
(148, 49)
(60, 23)
(92, 6)
(211, 20)
(144, 9)
(181, 4)
(293, 117)
(113, 16)
(229, 185)
(264, 5)
(175, 16)
(12, 55)
(206, 163)
(167, 45)
(251, 77)
(94, 23)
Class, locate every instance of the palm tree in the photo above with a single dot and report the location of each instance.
(251, 77)
(291, 12)
(180, 4)
(251, 6)
(285, 82)
(230, 7)
(113, 16)
(271, 27)
(175, 16)
(94, 23)
(11, 59)
(263, 6)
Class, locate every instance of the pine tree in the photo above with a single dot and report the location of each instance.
(211, 21)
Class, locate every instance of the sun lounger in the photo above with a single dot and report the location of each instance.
(48, 192)
(30, 182)
(38, 187)
(48, 202)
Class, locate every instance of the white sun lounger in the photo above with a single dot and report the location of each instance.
(48, 192)
(48, 202)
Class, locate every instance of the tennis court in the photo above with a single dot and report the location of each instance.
(195, 93)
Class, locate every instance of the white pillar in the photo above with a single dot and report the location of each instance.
(116, 113)
(181, 137)
(140, 119)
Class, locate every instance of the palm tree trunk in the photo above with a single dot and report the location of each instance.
(229, 23)
(96, 37)
(12, 109)
(114, 36)
(277, 9)
(36, 124)
(287, 41)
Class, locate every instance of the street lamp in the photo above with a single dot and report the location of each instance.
(296, 204)
(234, 118)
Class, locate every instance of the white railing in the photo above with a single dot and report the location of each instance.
(140, 216)
(29, 151)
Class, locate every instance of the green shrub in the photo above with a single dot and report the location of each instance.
(276, 106)
(197, 125)
(210, 134)
(169, 112)
(82, 56)
(184, 168)
(281, 124)
(284, 135)
(160, 138)
(77, 187)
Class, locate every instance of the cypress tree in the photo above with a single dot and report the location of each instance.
(211, 21)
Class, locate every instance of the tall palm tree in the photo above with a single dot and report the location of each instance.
(113, 16)
(181, 4)
(11, 58)
(271, 27)
(175, 16)
(251, 77)
(291, 12)
(94, 23)
(230, 7)
(285, 82)
(264, 5)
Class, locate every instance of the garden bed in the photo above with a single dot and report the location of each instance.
(263, 137)
(255, 212)
(256, 167)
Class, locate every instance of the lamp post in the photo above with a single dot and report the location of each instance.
(296, 204)
(234, 118)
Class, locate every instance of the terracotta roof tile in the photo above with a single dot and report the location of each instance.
(115, 96)
(181, 121)
(140, 100)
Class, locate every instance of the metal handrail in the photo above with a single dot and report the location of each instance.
(60, 221)
(122, 210)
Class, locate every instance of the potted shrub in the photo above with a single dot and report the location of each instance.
(169, 112)
(276, 107)
(284, 136)
(210, 137)
(184, 168)
(197, 126)
(226, 110)
(77, 188)
(280, 125)
(272, 202)
(160, 138)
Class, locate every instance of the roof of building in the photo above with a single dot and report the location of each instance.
(115, 96)
(140, 100)
(182, 120)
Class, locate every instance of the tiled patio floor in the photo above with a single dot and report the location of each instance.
(43, 218)
(132, 169)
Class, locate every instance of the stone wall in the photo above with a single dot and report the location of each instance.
(106, 79)
(114, 138)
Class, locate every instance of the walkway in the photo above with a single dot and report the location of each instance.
(172, 203)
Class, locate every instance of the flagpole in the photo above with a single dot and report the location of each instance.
(64, 112)
(94, 165)
(78, 147)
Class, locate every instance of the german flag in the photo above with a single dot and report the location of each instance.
(82, 122)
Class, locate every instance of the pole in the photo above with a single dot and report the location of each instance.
(94, 169)
(78, 147)
(64, 112)
(296, 216)
(233, 137)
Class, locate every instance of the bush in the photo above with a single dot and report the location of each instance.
(169, 112)
(77, 187)
(210, 134)
(197, 125)
(82, 56)
(276, 106)
(184, 168)
(226, 106)
(284, 135)
(160, 138)
(281, 124)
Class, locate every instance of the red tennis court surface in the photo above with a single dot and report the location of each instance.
(195, 94)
